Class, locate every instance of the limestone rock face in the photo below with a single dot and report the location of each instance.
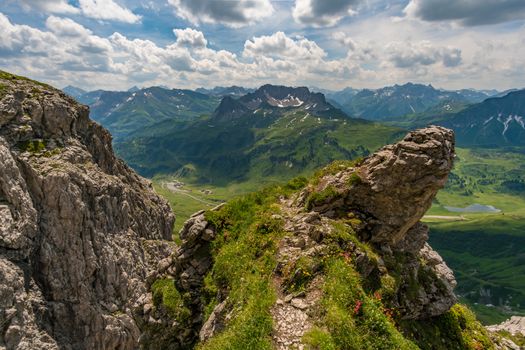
(395, 186)
(79, 230)
(514, 325)
(388, 193)
(186, 267)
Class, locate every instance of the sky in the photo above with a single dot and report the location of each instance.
(330, 44)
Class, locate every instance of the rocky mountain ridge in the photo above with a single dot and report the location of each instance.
(362, 216)
(79, 231)
(274, 97)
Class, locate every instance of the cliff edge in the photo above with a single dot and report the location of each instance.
(79, 230)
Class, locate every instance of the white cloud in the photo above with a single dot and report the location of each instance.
(371, 54)
(423, 53)
(467, 12)
(190, 38)
(66, 27)
(322, 13)
(49, 6)
(280, 45)
(235, 13)
(107, 10)
(344, 40)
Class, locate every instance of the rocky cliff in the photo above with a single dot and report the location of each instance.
(79, 230)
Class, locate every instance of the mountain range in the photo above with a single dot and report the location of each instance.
(399, 100)
(287, 129)
(274, 131)
(123, 112)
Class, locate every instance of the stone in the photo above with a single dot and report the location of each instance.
(75, 223)
(514, 325)
(396, 184)
(387, 194)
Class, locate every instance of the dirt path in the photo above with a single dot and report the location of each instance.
(445, 217)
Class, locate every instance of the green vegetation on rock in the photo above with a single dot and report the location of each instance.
(456, 329)
(244, 259)
(165, 295)
(355, 320)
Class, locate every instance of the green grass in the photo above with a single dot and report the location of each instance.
(13, 77)
(165, 295)
(353, 319)
(456, 329)
(244, 260)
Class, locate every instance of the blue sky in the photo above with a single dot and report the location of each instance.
(115, 44)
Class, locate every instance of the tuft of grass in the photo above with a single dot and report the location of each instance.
(297, 274)
(335, 167)
(354, 179)
(318, 198)
(318, 339)
(166, 296)
(456, 329)
(34, 146)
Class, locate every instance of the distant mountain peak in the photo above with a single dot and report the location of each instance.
(275, 97)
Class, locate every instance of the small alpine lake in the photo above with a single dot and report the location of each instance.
(474, 208)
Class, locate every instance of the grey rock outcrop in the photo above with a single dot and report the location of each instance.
(514, 325)
(79, 231)
(388, 193)
(395, 186)
(186, 267)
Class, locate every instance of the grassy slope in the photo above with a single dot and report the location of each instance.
(351, 317)
(486, 250)
(255, 147)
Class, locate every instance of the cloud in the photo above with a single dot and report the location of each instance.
(65, 52)
(107, 10)
(423, 53)
(98, 9)
(49, 6)
(236, 13)
(280, 45)
(66, 27)
(344, 40)
(467, 12)
(323, 13)
(18, 40)
(190, 38)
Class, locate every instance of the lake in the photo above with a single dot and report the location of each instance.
(474, 208)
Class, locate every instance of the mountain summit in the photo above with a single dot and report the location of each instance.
(276, 99)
